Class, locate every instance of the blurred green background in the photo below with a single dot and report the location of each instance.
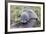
(15, 11)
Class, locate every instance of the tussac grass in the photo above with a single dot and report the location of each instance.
(16, 10)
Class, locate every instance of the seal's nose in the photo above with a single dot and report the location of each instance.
(23, 21)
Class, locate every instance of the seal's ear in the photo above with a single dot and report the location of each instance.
(36, 18)
(38, 21)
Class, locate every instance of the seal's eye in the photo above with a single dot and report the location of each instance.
(19, 15)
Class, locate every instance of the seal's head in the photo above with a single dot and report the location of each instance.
(24, 17)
